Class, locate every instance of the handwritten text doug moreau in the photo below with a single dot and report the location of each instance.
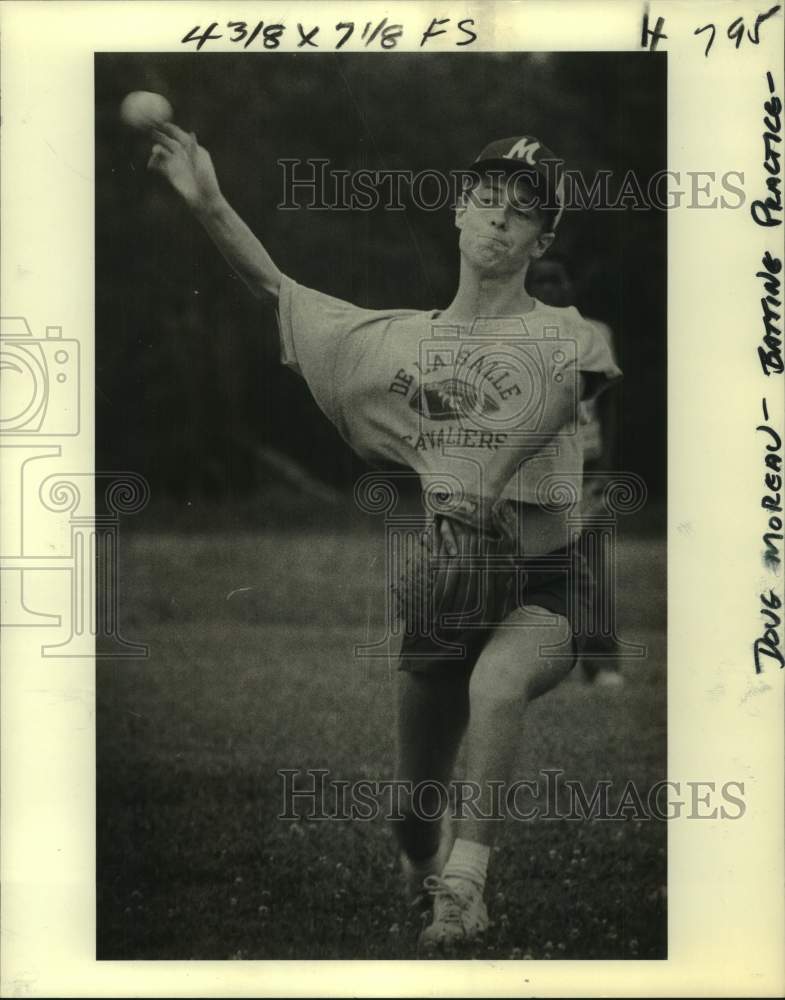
(767, 212)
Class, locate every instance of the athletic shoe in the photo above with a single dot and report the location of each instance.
(459, 913)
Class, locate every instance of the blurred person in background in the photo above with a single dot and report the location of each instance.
(550, 279)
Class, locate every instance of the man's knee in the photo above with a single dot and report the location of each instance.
(501, 679)
(519, 663)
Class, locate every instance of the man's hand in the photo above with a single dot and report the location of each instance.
(447, 533)
(446, 539)
(179, 158)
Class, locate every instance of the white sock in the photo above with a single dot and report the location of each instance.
(468, 860)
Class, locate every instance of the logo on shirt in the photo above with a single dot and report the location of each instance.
(487, 386)
(450, 399)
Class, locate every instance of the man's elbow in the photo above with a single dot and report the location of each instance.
(266, 287)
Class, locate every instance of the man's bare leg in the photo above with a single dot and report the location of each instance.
(511, 672)
(432, 715)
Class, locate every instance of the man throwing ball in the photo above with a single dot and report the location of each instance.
(480, 399)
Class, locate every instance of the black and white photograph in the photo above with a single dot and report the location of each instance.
(391, 532)
(391, 356)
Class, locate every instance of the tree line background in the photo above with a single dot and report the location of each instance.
(189, 389)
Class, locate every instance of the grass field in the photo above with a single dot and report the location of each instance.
(192, 861)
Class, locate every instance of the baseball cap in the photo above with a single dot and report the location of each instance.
(526, 155)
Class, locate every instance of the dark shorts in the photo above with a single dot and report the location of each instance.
(448, 608)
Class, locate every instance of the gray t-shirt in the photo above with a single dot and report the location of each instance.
(403, 387)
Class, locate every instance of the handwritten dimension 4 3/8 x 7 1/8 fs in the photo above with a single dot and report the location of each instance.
(368, 34)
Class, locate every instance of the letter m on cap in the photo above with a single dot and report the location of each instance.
(524, 149)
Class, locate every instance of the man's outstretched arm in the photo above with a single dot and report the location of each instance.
(187, 166)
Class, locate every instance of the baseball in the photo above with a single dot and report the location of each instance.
(144, 110)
